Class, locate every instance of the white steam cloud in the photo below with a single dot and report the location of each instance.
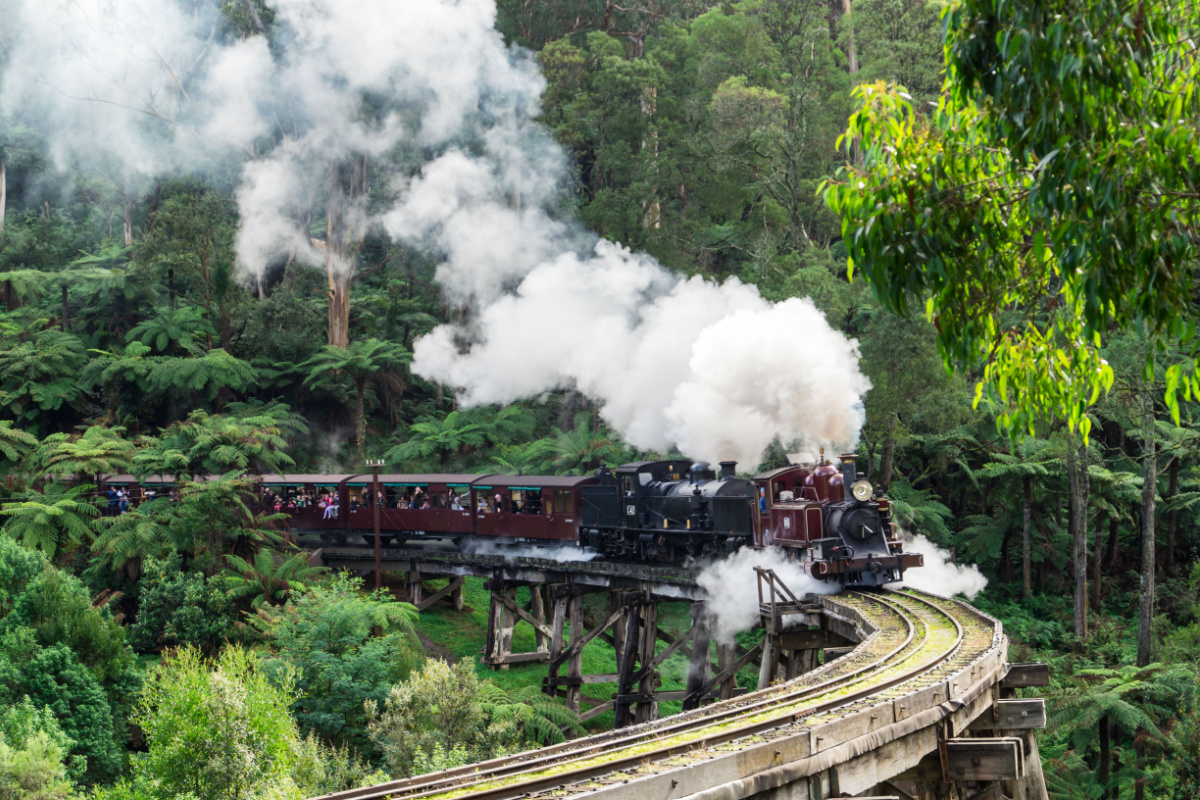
(164, 86)
(940, 575)
(731, 586)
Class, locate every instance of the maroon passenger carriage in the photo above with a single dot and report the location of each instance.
(509, 508)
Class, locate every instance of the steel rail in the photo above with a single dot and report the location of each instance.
(560, 756)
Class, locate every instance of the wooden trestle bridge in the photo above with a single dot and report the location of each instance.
(894, 694)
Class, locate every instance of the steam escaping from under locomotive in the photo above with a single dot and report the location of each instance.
(731, 588)
(939, 574)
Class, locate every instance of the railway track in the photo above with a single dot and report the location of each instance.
(914, 642)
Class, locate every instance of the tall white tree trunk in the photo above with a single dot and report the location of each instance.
(851, 47)
(345, 226)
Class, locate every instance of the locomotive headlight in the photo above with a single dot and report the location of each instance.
(862, 491)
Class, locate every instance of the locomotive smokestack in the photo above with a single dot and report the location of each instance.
(849, 474)
(728, 470)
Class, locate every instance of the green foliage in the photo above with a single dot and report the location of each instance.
(68, 657)
(99, 450)
(364, 362)
(179, 608)
(917, 510)
(40, 373)
(51, 519)
(54, 678)
(345, 649)
(442, 712)
(15, 443)
(179, 326)
(437, 438)
(31, 766)
(1066, 144)
(251, 437)
(45, 765)
(271, 578)
(220, 730)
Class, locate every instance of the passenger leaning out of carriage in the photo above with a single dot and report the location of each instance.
(498, 505)
(112, 502)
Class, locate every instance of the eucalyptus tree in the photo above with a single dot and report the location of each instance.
(1016, 194)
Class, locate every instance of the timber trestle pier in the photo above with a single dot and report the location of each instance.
(884, 694)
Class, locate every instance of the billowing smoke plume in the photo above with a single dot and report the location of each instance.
(714, 369)
(731, 585)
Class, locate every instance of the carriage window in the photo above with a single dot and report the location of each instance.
(524, 501)
(563, 502)
(328, 502)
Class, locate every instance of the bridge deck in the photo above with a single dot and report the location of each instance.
(664, 581)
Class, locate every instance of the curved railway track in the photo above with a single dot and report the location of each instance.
(913, 642)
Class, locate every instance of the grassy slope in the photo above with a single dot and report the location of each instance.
(463, 634)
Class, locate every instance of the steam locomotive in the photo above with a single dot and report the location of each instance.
(820, 515)
(658, 511)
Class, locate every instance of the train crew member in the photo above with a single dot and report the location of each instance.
(762, 500)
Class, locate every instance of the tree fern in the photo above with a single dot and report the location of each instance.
(41, 373)
(97, 451)
(48, 520)
(363, 362)
(181, 325)
(15, 443)
(269, 579)
(131, 537)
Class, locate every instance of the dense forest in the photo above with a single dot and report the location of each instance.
(189, 293)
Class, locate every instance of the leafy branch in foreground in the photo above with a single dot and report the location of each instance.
(1051, 197)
